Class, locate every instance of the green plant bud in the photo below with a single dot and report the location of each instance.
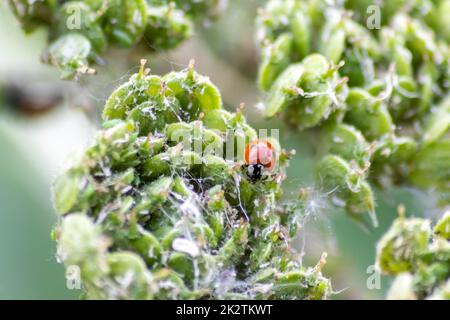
(125, 21)
(398, 249)
(216, 204)
(314, 286)
(391, 159)
(142, 100)
(437, 19)
(305, 90)
(174, 286)
(182, 264)
(333, 171)
(442, 227)
(232, 250)
(218, 119)
(70, 54)
(246, 193)
(419, 38)
(146, 245)
(407, 245)
(123, 155)
(358, 68)
(438, 123)
(368, 114)
(126, 264)
(430, 168)
(195, 92)
(261, 254)
(81, 244)
(205, 234)
(344, 39)
(187, 160)
(33, 14)
(195, 135)
(347, 186)
(347, 142)
(211, 140)
(362, 202)
(181, 188)
(264, 275)
(333, 45)
(427, 75)
(403, 61)
(179, 129)
(434, 267)
(301, 31)
(151, 118)
(272, 19)
(315, 103)
(79, 15)
(275, 58)
(360, 38)
(66, 191)
(158, 191)
(404, 99)
(169, 237)
(361, 53)
(434, 262)
(278, 100)
(156, 166)
(167, 27)
(216, 169)
(136, 91)
(394, 43)
(197, 8)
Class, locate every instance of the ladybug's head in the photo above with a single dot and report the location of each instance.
(254, 172)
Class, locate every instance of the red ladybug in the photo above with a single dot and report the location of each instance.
(259, 156)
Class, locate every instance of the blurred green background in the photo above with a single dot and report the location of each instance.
(45, 122)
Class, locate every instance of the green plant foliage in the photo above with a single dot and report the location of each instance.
(146, 216)
(377, 96)
(418, 256)
(81, 31)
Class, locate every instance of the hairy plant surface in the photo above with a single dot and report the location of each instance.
(145, 216)
(81, 31)
(378, 98)
(419, 258)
